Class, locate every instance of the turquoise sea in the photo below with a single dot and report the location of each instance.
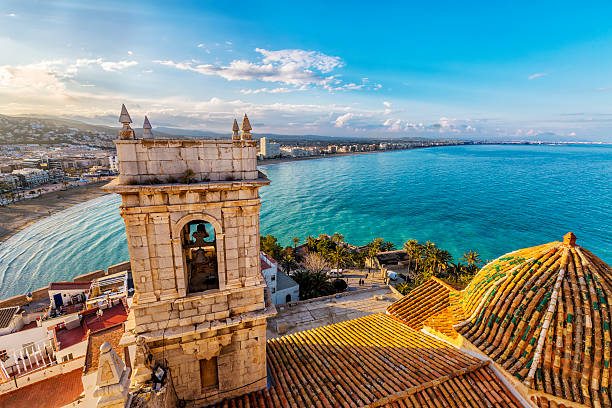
(491, 199)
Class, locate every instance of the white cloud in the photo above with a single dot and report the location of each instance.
(605, 88)
(269, 90)
(387, 104)
(200, 45)
(228, 43)
(291, 67)
(130, 52)
(11, 15)
(537, 75)
(343, 120)
(572, 134)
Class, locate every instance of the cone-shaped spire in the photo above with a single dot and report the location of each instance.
(146, 127)
(126, 132)
(235, 129)
(246, 125)
(124, 117)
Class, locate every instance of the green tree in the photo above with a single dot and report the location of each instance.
(403, 288)
(414, 250)
(296, 241)
(337, 238)
(339, 257)
(288, 263)
(269, 245)
(311, 243)
(313, 284)
(339, 285)
(472, 259)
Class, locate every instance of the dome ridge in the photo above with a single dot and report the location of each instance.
(543, 314)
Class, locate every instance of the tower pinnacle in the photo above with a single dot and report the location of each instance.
(235, 129)
(246, 128)
(146, 127)
(126, 132)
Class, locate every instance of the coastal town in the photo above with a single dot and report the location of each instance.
(209, 311)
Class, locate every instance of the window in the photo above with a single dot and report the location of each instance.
(273, 278)
(288, 299)
(208, 373)
(200, 254)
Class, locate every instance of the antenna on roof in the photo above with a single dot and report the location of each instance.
(146, 127)
(126, 132)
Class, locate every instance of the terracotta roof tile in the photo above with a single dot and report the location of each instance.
(543, 313)
(6, 315)
(373, 361)
(112, 335)
(430, 304)
(50, 393)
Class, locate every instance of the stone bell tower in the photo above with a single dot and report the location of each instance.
(191, 213)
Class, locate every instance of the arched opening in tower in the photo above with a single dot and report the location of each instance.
(200, 254)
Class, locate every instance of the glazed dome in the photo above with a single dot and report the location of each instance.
(543, 313)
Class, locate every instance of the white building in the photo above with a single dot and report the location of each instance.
(10, 181)
(67, 293)
(113, 162)
(283, 289)
(31, 177)
(268, 149)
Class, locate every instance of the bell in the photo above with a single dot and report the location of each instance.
(201, 228)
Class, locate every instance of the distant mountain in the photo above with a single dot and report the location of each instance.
(51, 130)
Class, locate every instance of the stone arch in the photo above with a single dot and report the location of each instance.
(178, 227)
(181, 266)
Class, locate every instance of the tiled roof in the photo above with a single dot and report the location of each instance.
(54, 392)
(427, 305)
(543, 313)
(112, 335)
(69, 286)
(373, 361)
(6, 315)
(284, 281)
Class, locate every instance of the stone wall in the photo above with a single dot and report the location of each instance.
(120, 267)
(156, 161)
(88, 277)
(200, 311)
(241, 357)
(154, 220)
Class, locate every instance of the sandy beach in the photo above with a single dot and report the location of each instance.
(17, 216)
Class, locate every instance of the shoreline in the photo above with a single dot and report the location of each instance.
(21, 214)
(330, 156)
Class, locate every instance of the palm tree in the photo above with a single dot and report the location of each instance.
(338, 257)
(373, 250)
(337, 238)
(296, 241)
(311, 243)
(414, 250)
(472, 259)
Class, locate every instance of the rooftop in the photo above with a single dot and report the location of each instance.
(69, 286)
(111, 335)
(373, 361)
(541, 313)
(315, 313)
(54, 392)
(6, 315)
(94, 323)
(284, 281)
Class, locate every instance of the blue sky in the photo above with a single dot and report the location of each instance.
(466, 70)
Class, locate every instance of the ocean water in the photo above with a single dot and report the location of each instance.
(491, 199)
